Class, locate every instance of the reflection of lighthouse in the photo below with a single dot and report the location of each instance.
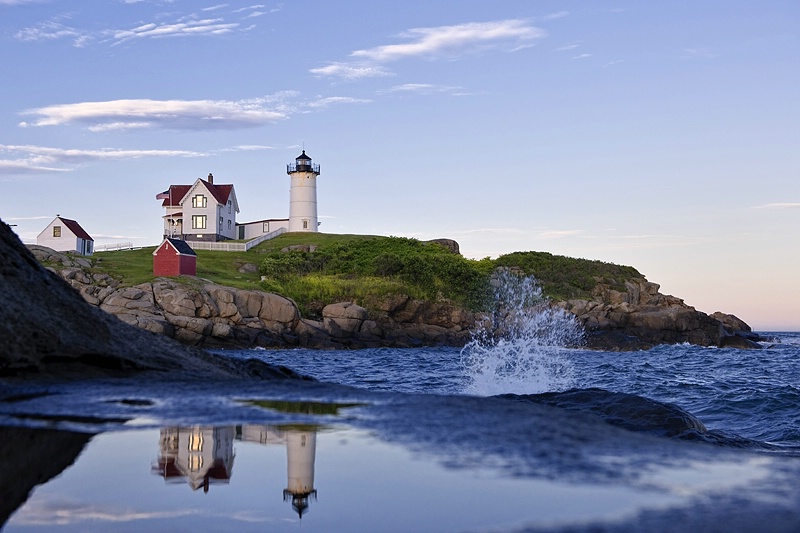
(301, 448)
(303, 194)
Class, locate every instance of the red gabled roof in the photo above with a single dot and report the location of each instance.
(76, 228)
(172, 197)
(221, 192)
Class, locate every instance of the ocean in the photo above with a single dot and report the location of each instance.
(516, 432)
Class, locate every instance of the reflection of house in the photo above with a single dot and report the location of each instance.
(202, 211)
(65, 235)
(198, 455)
(201, 455)
(174, 258)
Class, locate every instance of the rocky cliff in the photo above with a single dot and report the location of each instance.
(46, 328)
(200, 313)
(641, 317)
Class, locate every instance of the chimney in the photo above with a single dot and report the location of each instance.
(211, 178)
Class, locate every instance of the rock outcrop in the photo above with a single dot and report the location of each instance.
(48, 329)
(641, 317)
(200, 313)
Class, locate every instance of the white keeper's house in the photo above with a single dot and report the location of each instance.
(205, 211)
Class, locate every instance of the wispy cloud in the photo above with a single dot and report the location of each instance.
(54, 511)
(224, 21)
(582, 56)
(44, 160)
(351, 72)
(332, 100)
(424, 88)
(779, 205)
(143, 113)
(54, 30)
(184, 28)
(556, 15)
(557, 234)
(433, 43)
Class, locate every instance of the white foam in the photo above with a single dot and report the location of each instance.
(521, 347)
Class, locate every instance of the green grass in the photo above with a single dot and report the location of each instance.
(362, 267)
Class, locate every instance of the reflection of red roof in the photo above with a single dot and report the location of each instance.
(173, 196)
(76, 228)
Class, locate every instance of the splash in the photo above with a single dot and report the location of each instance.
(521, 347)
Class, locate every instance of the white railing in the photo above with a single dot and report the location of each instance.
(265, 237)
(115, 246)
(235, 246)
(218, 246)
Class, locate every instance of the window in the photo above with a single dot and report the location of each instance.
(305, 224)
(199, 221)
(229, 224)
(199, 200)
(221, 222)
(229, 206)
(265, 227)
(56, 231)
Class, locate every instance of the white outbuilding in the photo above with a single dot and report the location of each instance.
(65, 235)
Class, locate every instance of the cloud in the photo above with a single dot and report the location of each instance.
(44, 160)
(582, 56)
(779, 205)
(52, 510)
(556, 15)
(351, 72)
(331, 100)
(183, 28)
(21, 219)
(435, 42)
(144, 113)
(555, 234)
(51, 31)
(24, 167)
(425, 88)
(430, 42)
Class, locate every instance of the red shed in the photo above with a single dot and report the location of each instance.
(174, 257)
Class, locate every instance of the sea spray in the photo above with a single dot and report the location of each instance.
(521, 345)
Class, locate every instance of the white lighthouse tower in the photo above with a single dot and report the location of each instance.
(303, 194)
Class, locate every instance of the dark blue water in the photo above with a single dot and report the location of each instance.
(754, 394)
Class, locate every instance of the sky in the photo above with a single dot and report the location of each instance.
(664, 135)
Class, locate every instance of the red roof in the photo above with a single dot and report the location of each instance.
(173, 196)
(76, 228)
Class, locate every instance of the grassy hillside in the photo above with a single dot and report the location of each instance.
(323, 268)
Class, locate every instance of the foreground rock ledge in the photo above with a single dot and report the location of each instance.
(48, 330)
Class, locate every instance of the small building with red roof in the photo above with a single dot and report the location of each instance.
(174, 257)
(66, 235)
(203, 211)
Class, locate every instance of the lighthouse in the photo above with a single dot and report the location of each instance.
(303, 194)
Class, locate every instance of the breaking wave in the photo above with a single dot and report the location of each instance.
(522, 345)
